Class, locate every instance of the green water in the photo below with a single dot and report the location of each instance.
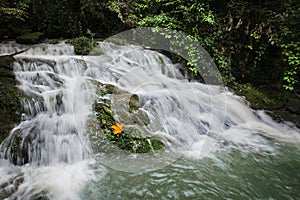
(231, 174)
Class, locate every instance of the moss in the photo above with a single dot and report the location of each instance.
(9, 98)
(9, 108)
(130, 139)
(282, 105)
(83, 45)
(134, 102)
(104, 89)
(136, 143)
(30, 38)
(256, 98)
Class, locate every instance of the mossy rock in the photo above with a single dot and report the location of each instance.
(15, 179)
(104, 89)
(134, 102)
(30, 38)
(280, 104)
(6, 62)
(9, 109)
(18, 146)
(83, 45)
(9, 97)
(105, 139)
(7, 75)
(136, 143)
(256, 98)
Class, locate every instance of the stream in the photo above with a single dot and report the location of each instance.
(216, 147)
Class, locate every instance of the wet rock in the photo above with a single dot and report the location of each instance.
(134, 102)
(9, 97)
(10, 185)
(293, 106)
(131, 137)
(280, 104)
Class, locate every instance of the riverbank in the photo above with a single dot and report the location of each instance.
(280, 104)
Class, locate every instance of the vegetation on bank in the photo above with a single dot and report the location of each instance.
(251, 41)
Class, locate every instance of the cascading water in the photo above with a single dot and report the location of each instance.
(53, 131)
(192, 119)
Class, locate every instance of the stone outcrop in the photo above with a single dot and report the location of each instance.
(30, 38)
(9, 97)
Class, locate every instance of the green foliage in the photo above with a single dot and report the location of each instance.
(244, 37)
(10, 13)
(291, 54)
(285, 26)
(241, 36)
(83, 45)
(58, 18)
(161, 20)
(13, 14)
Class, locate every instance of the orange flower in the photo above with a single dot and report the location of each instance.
(117, 128)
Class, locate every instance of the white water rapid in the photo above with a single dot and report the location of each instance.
(57, 162)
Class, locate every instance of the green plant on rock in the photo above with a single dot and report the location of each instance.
(256, 98)
(107, 133)
(83, 45)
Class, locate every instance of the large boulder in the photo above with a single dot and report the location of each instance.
(107, 134)
(30, 38)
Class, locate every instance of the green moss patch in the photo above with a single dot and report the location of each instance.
(256, 98)
(9, 109)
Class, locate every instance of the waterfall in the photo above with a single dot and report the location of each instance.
(55, 115)
(191, 118)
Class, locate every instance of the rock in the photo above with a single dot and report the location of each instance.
(293, 106)
(9, 97)
(30, 38)
(7, 75)
(280, 104)
(134, 102)
(132, 138)
(84, 45)
(284, 115)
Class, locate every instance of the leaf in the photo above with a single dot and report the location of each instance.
(117, 128)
